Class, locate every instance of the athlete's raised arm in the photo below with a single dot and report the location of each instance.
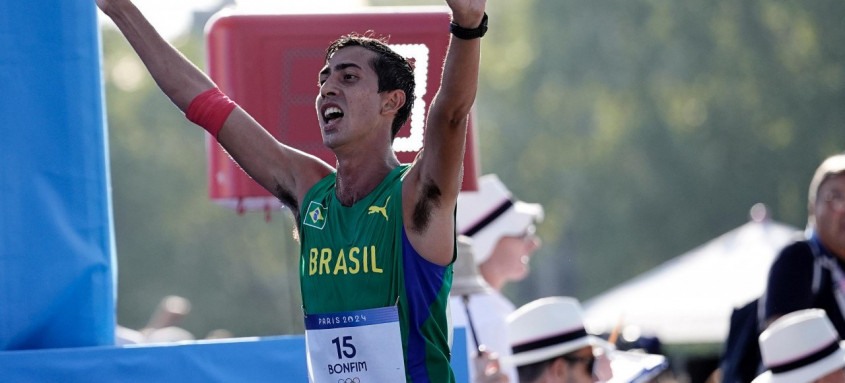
(286, 172)
(431, 189)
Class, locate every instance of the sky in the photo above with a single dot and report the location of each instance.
(173, 17)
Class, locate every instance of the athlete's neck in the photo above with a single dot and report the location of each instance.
(356, 180)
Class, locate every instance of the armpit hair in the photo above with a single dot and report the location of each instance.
(288, 200)
(429, 199)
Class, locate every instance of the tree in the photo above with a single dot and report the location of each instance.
(655, 126)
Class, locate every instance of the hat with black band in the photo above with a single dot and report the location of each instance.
(801, 346)
(547, 328)
(490, 213)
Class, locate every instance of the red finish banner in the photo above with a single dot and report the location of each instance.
(269, 65)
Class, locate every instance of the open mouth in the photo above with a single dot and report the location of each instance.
(332, 113)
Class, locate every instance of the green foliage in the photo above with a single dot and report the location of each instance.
(654, 126)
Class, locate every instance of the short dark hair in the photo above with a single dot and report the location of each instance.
(393, 70)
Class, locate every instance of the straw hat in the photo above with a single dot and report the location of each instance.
(800, 347)
(490, 213)
(547, 328)
(466, 279)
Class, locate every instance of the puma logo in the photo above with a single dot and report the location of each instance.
(379, 209)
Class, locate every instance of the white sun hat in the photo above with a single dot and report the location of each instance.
(492, 212)
(547, 328)
(799, 347)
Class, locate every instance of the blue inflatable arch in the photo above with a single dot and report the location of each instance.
(56, 242)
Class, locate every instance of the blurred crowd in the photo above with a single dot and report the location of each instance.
(790, 334)
(544, 340)
(163, 325)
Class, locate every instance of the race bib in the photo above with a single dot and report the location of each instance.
(363, 346)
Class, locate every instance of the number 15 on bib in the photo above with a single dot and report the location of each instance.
(363, 346)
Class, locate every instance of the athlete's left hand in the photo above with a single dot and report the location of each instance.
(467, 13)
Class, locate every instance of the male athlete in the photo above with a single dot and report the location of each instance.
(377, 237)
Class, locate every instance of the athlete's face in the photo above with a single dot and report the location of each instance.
(349, 102)
(829, 213)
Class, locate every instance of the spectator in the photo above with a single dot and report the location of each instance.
(503, 239)
(469, 287)
(502, 229)
(549, 342)
(809, 273)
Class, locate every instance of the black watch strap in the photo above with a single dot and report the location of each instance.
(467, 33)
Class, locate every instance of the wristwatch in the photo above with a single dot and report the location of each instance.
(467, 33)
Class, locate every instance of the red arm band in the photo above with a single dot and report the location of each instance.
(210, 109)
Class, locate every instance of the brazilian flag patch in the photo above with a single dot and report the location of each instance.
(315, 216)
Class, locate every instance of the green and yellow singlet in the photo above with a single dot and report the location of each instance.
(359, 257)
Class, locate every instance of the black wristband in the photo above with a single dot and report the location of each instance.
(469, 34)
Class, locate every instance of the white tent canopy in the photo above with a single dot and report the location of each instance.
(689, 299)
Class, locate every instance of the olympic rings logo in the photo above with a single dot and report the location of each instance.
(349, 380)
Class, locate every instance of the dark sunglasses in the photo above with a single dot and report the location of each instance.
(590, 361)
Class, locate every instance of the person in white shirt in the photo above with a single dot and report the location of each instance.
(502, 232)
